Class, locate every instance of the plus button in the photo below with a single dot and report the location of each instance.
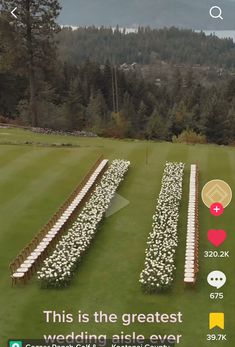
(216, 209)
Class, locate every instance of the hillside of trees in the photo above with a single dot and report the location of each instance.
(81, 97)
(171, 45)
(40, 86)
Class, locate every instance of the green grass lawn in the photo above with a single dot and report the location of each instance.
(35, 180)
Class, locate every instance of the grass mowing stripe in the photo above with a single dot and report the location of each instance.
(29, 176)
(25, 175)
(18, 160)
(9, 154)
(29, 201)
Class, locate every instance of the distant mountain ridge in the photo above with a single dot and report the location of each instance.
(155, 13)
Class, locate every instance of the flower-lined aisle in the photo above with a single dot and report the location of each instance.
(58, 269)
(162, 242)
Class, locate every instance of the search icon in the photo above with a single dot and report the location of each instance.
(216, 12)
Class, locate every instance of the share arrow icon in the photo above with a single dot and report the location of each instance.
(13, 12)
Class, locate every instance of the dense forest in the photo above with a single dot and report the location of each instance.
(74, 80)
(172, 45)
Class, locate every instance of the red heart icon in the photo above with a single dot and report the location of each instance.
(217, 237)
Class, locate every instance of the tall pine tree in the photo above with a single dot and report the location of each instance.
(34, 28)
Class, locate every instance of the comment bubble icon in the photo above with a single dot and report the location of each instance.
(216, 279)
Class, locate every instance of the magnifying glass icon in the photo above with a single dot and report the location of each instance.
(216, 12)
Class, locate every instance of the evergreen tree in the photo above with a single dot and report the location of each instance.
(230, 90)
(128, 111)
(230, 124)
(97, 113)
(215, 119)
(107, 89)
(74, 110)
(177, 84)
(178, 118)
(142, 118)
(157, 127)
(34, 29)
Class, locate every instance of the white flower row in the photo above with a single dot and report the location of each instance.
(162, 242)
(58, 269)
(191, 266)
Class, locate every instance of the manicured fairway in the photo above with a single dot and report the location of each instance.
(35, 180)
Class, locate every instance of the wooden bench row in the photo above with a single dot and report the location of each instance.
(27, 262)
(191, 266)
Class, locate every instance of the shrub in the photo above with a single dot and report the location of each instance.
(189, 136)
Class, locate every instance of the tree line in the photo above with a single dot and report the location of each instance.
(169, 44)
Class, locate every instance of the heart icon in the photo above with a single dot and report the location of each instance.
(216, 237)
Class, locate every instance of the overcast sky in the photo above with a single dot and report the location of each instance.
(156, 13)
